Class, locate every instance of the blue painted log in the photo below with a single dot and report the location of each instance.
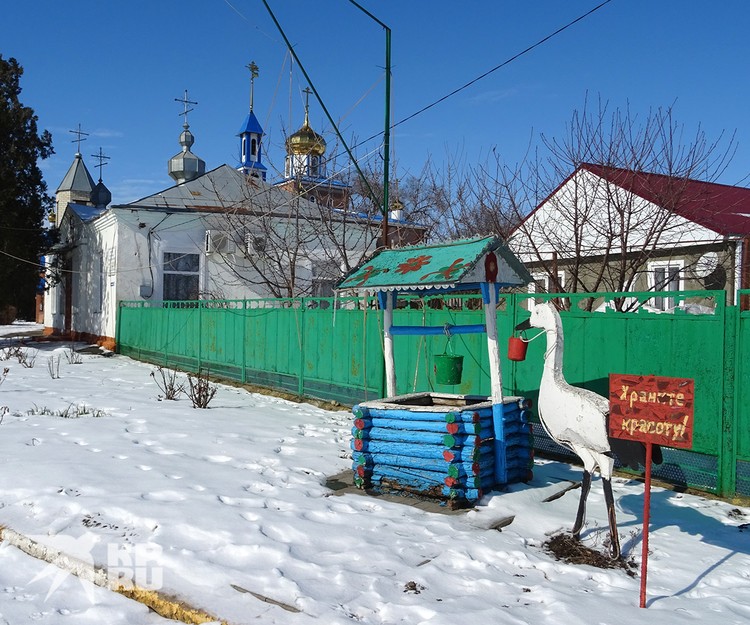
(464, 440)
(462, 494)
(408, 415)
(419, 450)
(478, 429)
(454, 469)
(483, 454)
(401, 436)
(463, 470)
(485, 483)
(414, 478)
(432, 426)
(469, 416)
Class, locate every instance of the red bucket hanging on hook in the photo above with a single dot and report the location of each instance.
(517, 348)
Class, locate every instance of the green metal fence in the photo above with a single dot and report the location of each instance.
(333, 349)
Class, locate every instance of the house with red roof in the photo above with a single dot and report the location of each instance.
(608, 229)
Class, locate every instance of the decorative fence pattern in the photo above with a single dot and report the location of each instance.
(332, 349)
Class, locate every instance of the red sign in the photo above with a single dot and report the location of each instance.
(652, 409)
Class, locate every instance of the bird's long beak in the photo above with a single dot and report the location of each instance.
(524, 325)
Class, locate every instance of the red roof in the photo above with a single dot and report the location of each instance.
(722, 208)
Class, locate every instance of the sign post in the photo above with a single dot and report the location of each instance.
(651, 410)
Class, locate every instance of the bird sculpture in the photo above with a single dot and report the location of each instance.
(577, 418)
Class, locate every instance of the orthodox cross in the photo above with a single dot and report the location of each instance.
(185, 103)
(253, 75)
(102, 158)
(79, 137)
(307, 93)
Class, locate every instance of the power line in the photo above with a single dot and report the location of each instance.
(501, 65)
(487, 73)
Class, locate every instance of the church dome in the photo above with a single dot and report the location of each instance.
(306, 141)
(101, 195)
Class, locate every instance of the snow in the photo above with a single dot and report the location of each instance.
(201, 503)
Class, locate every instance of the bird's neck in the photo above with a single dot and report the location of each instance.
(553, 357)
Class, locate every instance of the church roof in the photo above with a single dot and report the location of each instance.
(85, 212)
(222, 189)
(251, 124)
(78, 179)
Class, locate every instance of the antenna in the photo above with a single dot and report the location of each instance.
(79, 137)
(253, 75)
(102, 158)
(185, 103)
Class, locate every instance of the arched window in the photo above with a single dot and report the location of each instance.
(253, 147)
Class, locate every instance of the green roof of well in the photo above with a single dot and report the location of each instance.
(446, 265)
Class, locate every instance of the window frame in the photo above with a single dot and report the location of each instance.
(662, 303)
(172, 272)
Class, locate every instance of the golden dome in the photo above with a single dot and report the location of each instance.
(306, 141)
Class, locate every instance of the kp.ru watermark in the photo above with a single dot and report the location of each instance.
(126, 565)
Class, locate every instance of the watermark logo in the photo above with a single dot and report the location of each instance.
(126, 565)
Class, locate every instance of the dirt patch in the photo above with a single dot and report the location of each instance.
(567, 549)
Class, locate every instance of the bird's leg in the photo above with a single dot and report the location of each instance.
(580, 517)
(614, 539)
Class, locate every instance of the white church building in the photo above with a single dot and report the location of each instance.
(222, 234)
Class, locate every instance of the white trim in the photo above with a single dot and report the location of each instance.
(664, 303)
(544, 277)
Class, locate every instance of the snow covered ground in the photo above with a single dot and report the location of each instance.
(201, 503)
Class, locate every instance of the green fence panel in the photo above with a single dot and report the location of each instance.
(333, 349)
(741, 424)
(343, 354)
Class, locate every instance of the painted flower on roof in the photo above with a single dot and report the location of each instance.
(447, 273)
(363, 276)
(413, 264)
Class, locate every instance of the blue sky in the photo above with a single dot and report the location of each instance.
(117, 67)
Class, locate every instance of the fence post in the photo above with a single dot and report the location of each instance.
(727, 479)
(301, 340)
(200, 335)
(244, 341)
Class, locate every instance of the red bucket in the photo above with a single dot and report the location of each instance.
(517, 348)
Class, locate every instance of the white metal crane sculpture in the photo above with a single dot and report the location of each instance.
(577, 419)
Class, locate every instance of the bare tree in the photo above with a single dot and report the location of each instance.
(594, 226)
(280, 244)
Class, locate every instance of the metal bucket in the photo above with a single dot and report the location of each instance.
(517, 348)
(448, 368)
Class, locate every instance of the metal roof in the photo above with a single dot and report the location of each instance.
(449, 265)
(219, 190)
(78, 177)
(251, 124)
(86, 212)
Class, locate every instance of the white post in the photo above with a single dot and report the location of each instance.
(390, 365)
(490, 320)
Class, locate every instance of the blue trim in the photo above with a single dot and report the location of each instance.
(485, 288)
(383, 301)
(250, 125)
(435, 330)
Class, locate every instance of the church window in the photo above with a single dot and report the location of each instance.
(253, 148)
(181, 276)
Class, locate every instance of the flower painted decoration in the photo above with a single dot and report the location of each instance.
(413, 264)
(447, 272)
(359, 279)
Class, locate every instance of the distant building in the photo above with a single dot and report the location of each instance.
(657, 233)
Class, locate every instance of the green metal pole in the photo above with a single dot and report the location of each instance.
(387, 131)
